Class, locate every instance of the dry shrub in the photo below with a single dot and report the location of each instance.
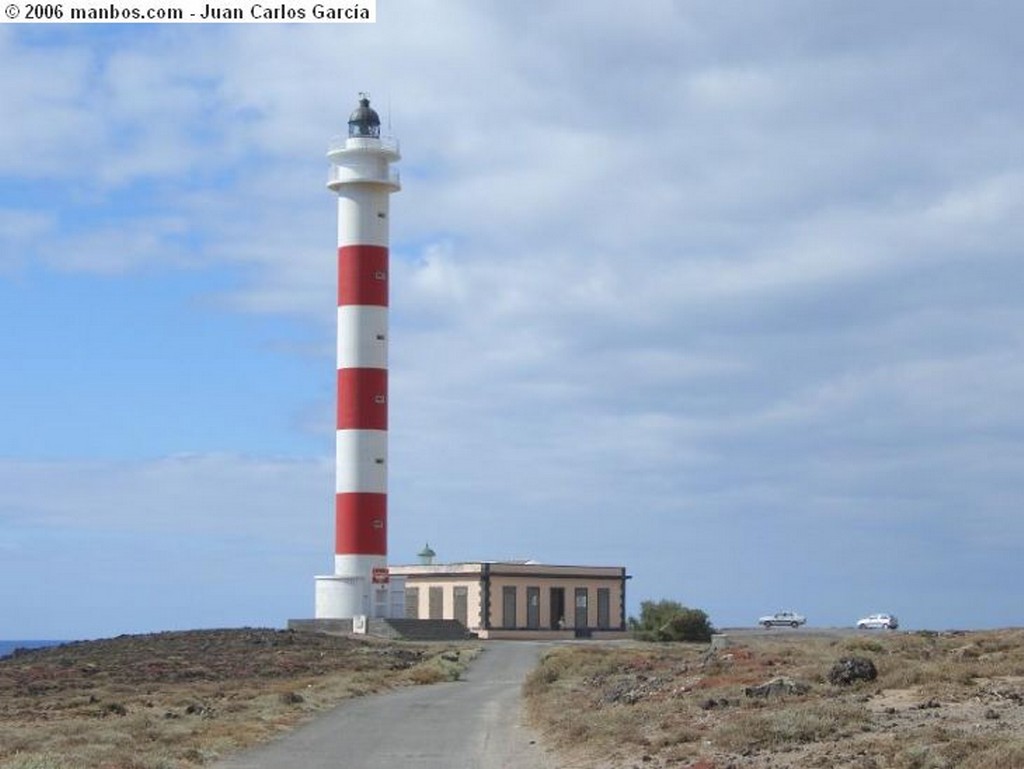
(428, 674)
(580, 696)
(957, 752)
(440, 667)
(862, 645)
(904, 675)
(1004, 755)
(575, 664)
(918, 757)
(43, 761)
(795, 724)
(539, 680)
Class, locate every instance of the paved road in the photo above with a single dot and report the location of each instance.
(474, 723)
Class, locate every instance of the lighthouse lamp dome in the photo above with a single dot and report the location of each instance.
(364, 122)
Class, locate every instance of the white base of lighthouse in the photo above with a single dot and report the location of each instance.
(351, 595)
(341, 597)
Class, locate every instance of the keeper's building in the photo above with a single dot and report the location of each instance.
(518, 599)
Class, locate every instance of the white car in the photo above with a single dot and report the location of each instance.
(782, 619)
(887, 621)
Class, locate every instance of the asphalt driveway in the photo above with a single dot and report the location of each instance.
(474, 723)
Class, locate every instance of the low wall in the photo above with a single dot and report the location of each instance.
(395, 629)
(505, 634)
(333, 626)
(441, 630)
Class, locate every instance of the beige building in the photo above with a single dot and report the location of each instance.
(519, 599)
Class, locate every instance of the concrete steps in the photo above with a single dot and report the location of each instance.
(419, 629)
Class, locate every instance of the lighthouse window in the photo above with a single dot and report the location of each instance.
(380, 275)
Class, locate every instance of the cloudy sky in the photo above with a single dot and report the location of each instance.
(728, 293)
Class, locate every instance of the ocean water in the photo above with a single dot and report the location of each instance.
(7, 647)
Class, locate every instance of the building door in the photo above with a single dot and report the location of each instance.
(412, 603)
(533, 608)
(557, 608)
(461, 600)
(604, 612)
(508, 601)
(436, 598)
(581, 607)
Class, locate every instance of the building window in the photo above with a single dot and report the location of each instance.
(436, 599)
(460, 595)
(533, 608)
(557, 608)
(604, 604)
(508, 604)
(412, 603)
(581, 608)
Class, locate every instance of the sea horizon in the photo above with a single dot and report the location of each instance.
(7, 647)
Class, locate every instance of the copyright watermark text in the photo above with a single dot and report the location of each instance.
(191, 11)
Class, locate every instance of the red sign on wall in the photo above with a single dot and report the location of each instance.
(380, 575)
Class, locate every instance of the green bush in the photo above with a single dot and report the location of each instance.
(670, 621)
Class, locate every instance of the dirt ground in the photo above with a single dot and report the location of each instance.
(183, 699)
(936, 701)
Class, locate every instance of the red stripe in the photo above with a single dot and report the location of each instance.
(363, 275)
(361, 524)
(362, 399)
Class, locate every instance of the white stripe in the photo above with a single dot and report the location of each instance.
(362, 461)
(358, 565)
(363, 217)
(362, 336)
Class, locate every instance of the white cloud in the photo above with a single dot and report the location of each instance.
(993, 201)
(49, 126)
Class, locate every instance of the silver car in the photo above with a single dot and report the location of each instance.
(782, 619)
(878, 621)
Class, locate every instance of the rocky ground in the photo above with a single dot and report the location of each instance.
(182, 699)
(887, 701)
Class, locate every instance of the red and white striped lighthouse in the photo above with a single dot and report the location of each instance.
(361, 176)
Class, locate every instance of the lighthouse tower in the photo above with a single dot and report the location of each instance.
(363, 180)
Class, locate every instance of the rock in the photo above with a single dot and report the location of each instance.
(850, 669)
(711, 703)
(203, 711)
(777, 687)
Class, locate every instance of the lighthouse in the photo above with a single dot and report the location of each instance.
(363, 180)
